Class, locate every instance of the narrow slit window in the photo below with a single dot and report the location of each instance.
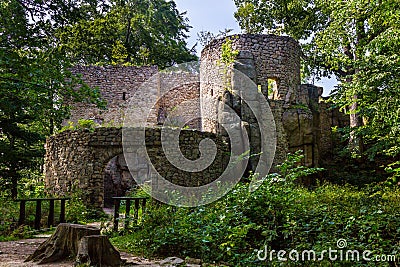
(272, 88)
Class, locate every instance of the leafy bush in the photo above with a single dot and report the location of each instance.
(280, 215)
(81, 125)
(8, 221)
(79, 212)
(76, 212)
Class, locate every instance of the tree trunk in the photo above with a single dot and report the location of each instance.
(355, 142)
(62, 244)
(14, 184)
(96, 250)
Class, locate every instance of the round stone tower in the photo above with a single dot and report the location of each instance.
(271, 57)
(272, 63)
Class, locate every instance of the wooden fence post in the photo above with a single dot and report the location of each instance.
(38, 214)
(21, 220)
(116, 214)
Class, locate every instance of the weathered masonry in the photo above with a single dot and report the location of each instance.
(93, 161)
(119, 84)
(78, 159)
(272, 62)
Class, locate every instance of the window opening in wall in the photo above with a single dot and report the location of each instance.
(161, 115)
(124, 96)
(272, 88)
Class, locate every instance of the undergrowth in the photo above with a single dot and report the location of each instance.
(76, 211)
(280, 215)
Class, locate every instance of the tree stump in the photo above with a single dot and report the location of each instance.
(96, 250)
(62, 244)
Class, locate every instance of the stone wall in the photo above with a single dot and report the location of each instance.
(117, 84)
(179, 95)
(302, 122)
(330, 118)
(261, 57)
(275, 57)
(79, 159)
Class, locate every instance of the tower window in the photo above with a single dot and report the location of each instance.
(273, 88)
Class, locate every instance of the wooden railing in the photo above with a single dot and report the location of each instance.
(38, 210)
(139, 203)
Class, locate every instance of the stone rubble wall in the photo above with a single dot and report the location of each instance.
(261, 57)
(275, 57)
(179, 99)
(330, 118)
(78, 160)
(117, 84)
(302, 122)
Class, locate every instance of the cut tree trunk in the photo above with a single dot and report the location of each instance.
(62, 244)
(96, 250)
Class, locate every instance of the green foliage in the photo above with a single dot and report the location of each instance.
(394, 170)
(281, 214)
(9, 209)
(142, 191)
(77, 211)
(31, 185)
(9, 214)
(206, 37)
(356, 40)
(128, 32)
(291, 169)
(298, 18)
(81, 125)
(278, 216)
(36, 88)
(228, 57)
(228, 54)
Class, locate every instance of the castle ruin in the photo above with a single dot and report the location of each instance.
(94, 160)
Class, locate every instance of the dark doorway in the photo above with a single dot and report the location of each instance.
(117, 180)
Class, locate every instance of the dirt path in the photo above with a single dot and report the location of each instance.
(14, 253)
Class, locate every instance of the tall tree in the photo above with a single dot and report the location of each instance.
(347, 38)
(129, 32)
(35, 89)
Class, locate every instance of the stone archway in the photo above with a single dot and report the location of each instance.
(75, 162)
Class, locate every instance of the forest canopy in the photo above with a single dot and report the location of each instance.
(41, 40)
